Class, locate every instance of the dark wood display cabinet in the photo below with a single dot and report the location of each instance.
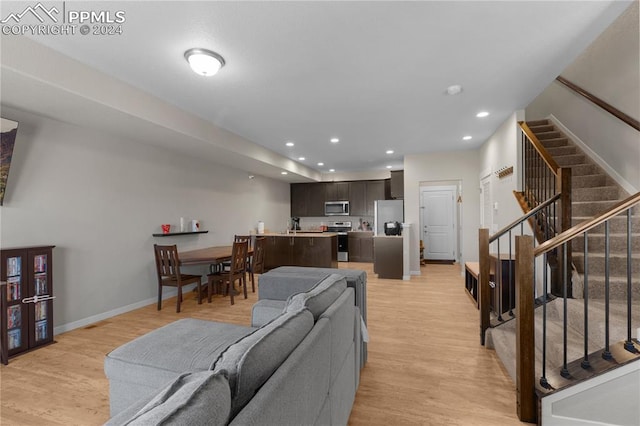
(26, 314)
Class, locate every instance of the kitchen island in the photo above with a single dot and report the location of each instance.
(301, 249)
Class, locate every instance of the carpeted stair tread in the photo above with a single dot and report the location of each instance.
(562, 150)
(554, 142)
(596, 193)
(617, 242)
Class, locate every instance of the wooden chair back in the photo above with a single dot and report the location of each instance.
(239, 257)
(241, 238)
(257, 262)
(167, 261)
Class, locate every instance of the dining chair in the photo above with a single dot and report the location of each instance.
(168, 269)
(237, 271)
(256, 263)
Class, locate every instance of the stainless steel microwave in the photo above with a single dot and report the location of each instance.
(336, 208)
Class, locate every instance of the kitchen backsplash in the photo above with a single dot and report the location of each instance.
(311, 223)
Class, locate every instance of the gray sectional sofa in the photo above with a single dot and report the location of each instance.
(299, 368)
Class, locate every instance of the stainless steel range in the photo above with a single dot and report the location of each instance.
(341, 228)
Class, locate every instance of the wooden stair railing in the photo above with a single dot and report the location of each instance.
(526, 256)
(542, 179)
(602, 104)
(484, 278)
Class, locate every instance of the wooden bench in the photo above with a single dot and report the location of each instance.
(471, 274)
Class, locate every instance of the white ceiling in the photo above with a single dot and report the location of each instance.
(373, 74)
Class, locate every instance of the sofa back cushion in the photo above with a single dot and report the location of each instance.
(250, 362)
(320, 297)
(195, 399)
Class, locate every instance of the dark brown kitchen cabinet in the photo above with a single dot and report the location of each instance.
(299, 250)
(307, 199)
(397, 185)
(360, 246)
(299, 200)
(26, 314)
(316, 198)
(277, 252)
(374, 191)
(337, 191)
(357, 198)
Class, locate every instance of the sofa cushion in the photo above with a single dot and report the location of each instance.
(194, 399)
(320, 297)
(250, 362)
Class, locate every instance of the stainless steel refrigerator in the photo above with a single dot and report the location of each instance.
(387, 211)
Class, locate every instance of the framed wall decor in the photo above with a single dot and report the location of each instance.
(9, 129)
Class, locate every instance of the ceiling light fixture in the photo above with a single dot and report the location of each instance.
(289, 144)
(301, 158)
(389, 151)
(334, 140)
(482, 114)
(332, 170)
(284, 173)
(388, 167)
(203, 61)
(466, 138)
(320, 164)
(454, 90)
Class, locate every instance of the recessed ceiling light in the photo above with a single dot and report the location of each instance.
(289, 144)
(301, 158)
(466, 138)
(388, 167)
(320, 164)
(203, 61)
(284, 173)
(334, 140)
(332, 170)
(389, 151)
(454, 90)
(482, 114)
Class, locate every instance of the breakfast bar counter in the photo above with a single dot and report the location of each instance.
(317, 249)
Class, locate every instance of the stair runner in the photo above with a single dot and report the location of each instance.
(593, 192)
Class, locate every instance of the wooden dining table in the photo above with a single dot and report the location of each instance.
(213, 256)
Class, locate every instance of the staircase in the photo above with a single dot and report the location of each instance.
(593, 193)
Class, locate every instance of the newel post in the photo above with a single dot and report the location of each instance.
(483, 282)
(525, 330)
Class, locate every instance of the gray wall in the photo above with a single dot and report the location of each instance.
(443, 166)
(610, 69)
(99, 197)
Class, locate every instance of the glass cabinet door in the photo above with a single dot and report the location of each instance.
(16, 311)
(40, 265)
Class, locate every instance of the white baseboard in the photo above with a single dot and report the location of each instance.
(594, 156)
(417, 273)
(166, 294)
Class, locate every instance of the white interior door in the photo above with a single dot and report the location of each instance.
(438, 205)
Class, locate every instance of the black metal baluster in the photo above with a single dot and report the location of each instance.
(628, 345)
(565, 371)
(543, 380)
(585, 362)
(606, 354)
(498, 278)
(511, 280)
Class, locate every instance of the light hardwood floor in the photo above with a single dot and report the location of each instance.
(425, 365)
